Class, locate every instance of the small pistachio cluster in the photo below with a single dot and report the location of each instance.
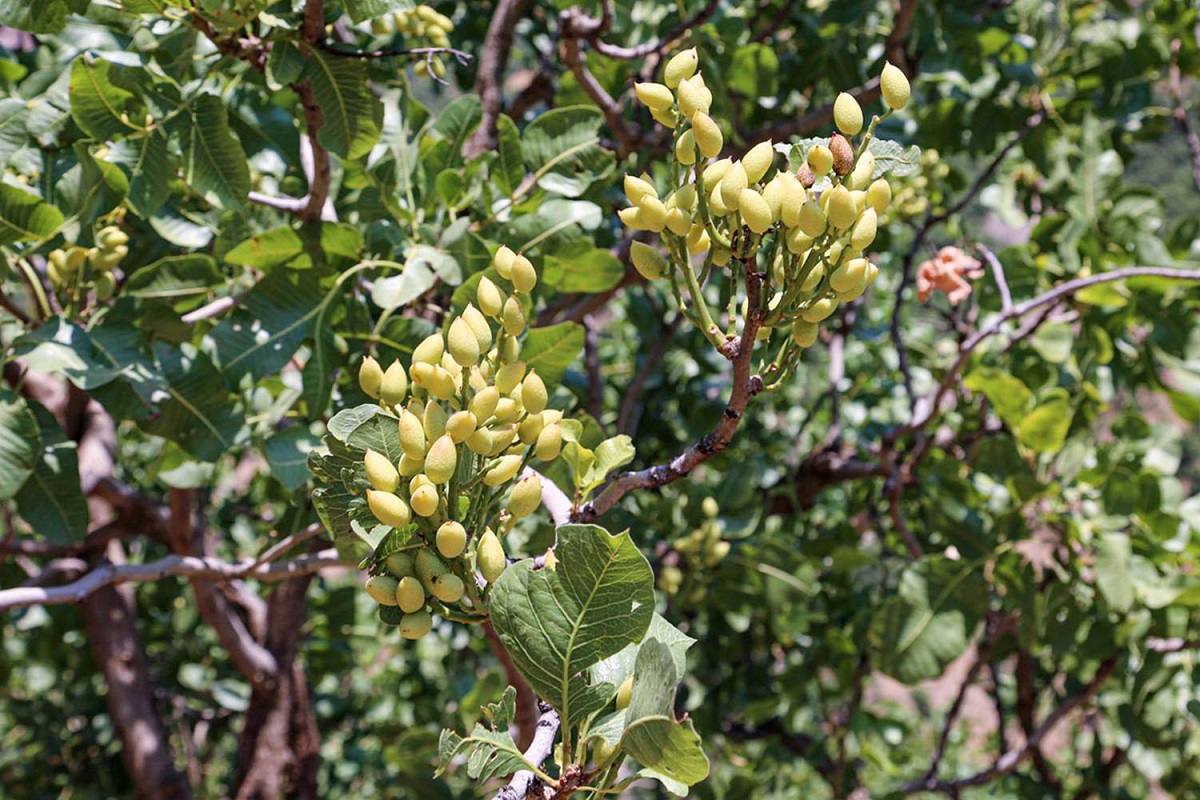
(471, 416)
(812, 226)
(423, 24)
(702, 549)
(75, 265)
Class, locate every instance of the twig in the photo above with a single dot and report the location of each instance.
(745, 387)
(1010, 760)
(489, 76)
(661, 46)
(628, 135)
(209, 310)
(983, 652)
(183, 566)
(1174, 644)
(538, 751)
(1006, 300)
(1180, 112)
(288, 542)
(929, 406)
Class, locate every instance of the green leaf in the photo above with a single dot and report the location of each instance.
(14, 114)
(272, 320)
(485, 751)
(340, 477)
(268, 249)
(1113, 576)
(619, 666)
(37, 16)
(287, 453)
(558, 623)
(895, 158)
(669, 749)
(173, 278)
(754, 71)
(396, 291)
(26, 216)
(1008, 394)
(103, 97)
(1044, 430)
(91, 188)
(51, 500)
(583, 268)
(362, 10)
(562, 147)
(214, 163)
(150, 167)
(510, 161)
(929, 622)
(18, 443)
(457, 122)
(350, 112)
(199, 413)
(551, 350)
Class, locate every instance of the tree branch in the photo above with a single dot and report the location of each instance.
(745, 387)
(1180, 112)
(539, 749)
(489, 77)
(1009, 761)
(928, 407)
(211, 569)
(109, 617)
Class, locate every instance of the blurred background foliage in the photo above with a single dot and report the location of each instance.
(1055, 504)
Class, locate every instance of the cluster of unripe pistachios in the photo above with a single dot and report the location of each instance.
(811, 226)
(702, 549)
(421, 25)
(75, 266)
(471, 417)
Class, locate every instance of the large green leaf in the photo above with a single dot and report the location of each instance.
(51, 500)
(562, 147)
(214, 163)
(151, 168)
(510, 161)
(14, 114)
(105, 99)
(551, 350)
(669, 749)
(457, 122)
(582, 267)
(199, 414)
(18, 443)
(25, 216)
(350, 113)
(558, 623)
(174, 278)
(930, 620)
(273, 319)
(287, 453)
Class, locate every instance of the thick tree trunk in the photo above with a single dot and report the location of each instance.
(109, 616)
(278, 753)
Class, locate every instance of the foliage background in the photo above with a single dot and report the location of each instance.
(1033, 541)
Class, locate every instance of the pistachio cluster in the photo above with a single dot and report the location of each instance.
(702, 549)
(471, 416)
(810, 227)
(423, 26)
(75, 265)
